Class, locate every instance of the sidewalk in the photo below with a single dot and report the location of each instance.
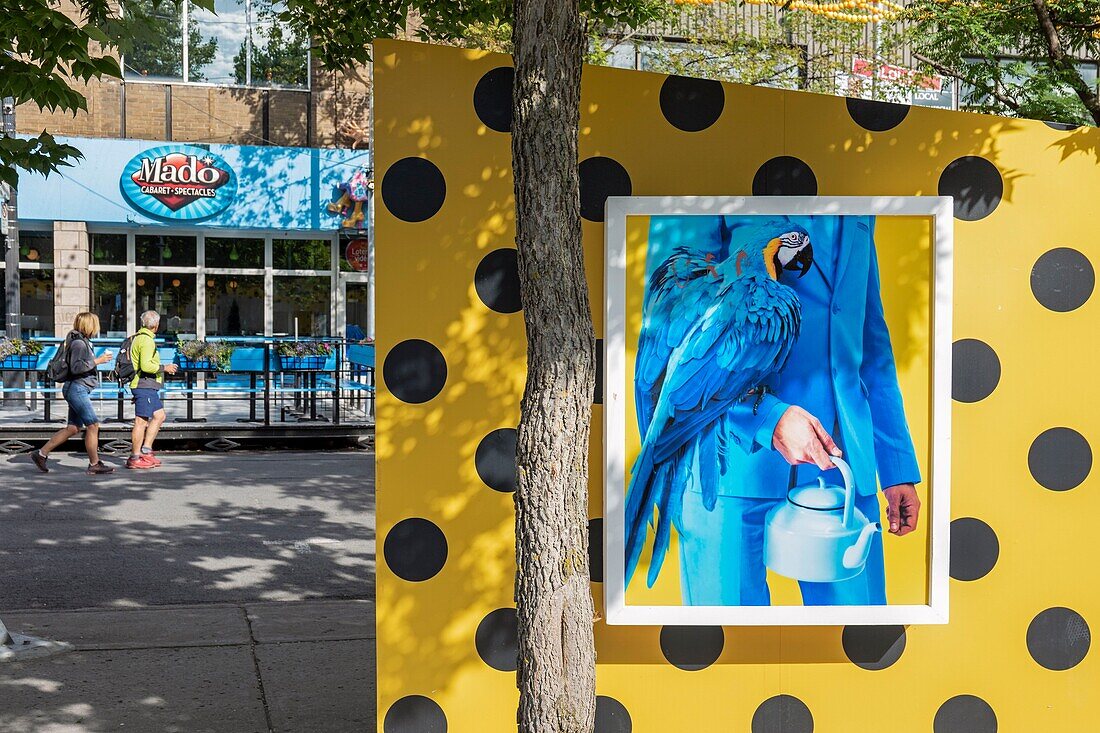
(281, 667)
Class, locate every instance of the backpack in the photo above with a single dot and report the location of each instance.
(124, 371)
(58, 369)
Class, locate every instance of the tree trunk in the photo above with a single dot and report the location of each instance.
(557, 660)
(1064, 63)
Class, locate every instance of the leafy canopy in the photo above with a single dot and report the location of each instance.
(970, 41)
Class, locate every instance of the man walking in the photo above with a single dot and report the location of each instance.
(148, 379)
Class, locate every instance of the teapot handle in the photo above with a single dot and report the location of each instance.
(849, 483)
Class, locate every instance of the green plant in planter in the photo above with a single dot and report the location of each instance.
(19, 347)
(304, 348)
(218, 353)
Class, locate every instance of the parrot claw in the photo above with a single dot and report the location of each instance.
(759, 391)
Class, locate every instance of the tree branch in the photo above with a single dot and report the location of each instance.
(1064, 63)
(996, 92)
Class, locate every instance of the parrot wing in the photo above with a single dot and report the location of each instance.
(680, 291)
(741, 338)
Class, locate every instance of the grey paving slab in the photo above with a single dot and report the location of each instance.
(210, 690)
(320, 686)
(311, 621)
(137, 628)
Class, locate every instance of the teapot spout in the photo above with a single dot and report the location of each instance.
(856, 555)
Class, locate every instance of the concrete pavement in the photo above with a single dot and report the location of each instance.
(227, 593)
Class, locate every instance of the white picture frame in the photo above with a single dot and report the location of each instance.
(618, 208)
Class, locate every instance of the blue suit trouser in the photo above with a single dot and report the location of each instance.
(722, 557)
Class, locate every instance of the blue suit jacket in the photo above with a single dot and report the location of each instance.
(841, 370)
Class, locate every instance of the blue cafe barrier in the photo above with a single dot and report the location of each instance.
(296, 389)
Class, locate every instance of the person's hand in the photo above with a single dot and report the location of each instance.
(170, 369)
(902, 508)
(800, 438)
(107, 356)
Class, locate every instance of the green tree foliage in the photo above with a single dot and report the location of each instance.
(969, 41)
(159, 54)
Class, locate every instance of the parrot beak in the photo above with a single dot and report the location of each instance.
(802, 260)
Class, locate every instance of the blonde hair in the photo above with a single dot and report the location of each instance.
(87, 324)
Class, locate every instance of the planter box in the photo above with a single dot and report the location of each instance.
(22, 362)
(199, 365)
(302, 363)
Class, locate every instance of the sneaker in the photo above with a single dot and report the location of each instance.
(40, 461)
(99, 468)
(139, 462)
(152, 457)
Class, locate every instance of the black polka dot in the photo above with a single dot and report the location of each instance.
(965, 714)
(782, 714)
(415, 549)
(497, 640)
(976, 185)
(876, 116)
(415, 714)
(414, 371)
(1058, 638)
(600, 178)
(784, 176)
(1062, 279)
(974, 549)
(497, 280)
(611, 716)
(975, 370)
(690, 104)
(413, 189)
(692, 647)
(1060, 459)
(493, 98)
(495, 459)
(1061, 125)
(873, 647)
(597, 392)
(595, 549)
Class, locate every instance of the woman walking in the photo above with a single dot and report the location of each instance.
(82, 380)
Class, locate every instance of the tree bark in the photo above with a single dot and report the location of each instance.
(557, 661)
(1064, 63)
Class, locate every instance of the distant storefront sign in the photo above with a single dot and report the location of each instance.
(896, 84)
(179, 183)
(357, 254)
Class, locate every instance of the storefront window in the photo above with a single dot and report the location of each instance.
(172, 295)
(108, 249)
(301, 305)
(301, 254)
(36, 302)
(109, 302)
(156, 250)
(234, 305)
(357, 311)
(36, 247)
(234, 252)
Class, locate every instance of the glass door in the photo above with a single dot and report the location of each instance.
(355, 312)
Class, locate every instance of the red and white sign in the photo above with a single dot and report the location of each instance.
(357, 254)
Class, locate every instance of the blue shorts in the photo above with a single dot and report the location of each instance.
(147, 402)
(81, 412)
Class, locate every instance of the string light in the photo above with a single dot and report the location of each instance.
(847, 11)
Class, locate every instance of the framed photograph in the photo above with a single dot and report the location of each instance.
(777, 410)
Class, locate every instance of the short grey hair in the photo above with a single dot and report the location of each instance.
(149, 319)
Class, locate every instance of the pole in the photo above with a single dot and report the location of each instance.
(11, 238)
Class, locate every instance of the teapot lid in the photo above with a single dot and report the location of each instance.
(820, 497)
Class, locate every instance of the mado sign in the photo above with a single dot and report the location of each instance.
(178, 183)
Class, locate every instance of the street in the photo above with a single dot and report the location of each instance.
(220, 592)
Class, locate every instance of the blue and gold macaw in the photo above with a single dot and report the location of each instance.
(714, 325)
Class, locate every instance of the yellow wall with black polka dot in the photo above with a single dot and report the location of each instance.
(1016, 653)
